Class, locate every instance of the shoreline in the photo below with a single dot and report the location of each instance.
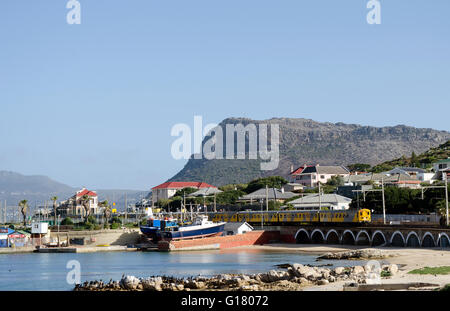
(406, 259)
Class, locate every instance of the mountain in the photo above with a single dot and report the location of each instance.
(307, 141)
(15, 187)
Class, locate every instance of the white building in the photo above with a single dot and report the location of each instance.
(311, 175)
(325, 201)
(233, 228)
(168, 189)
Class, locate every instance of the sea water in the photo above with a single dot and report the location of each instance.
(40, 271)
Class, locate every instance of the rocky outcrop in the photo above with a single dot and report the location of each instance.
(294, 277)
(355, 254)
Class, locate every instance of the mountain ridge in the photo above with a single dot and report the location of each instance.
(311, 142)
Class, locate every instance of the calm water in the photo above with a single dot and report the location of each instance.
(48, 271)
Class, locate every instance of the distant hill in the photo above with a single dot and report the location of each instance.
(307, 141)
(15, 187)
(423, 160)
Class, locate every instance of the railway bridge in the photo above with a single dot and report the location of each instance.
(400, 236)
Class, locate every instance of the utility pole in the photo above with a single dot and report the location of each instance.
(267, 198)
(384, 205)
(320, 198)
(446, 197)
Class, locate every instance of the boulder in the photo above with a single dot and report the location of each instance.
(130, 282)
(339, 270)
(358, 270)
(322, 282)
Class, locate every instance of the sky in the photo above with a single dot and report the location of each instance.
(93, 104)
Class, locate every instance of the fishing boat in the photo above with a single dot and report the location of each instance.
(154, 227)
(202, 227)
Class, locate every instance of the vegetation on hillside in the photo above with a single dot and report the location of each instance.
(424, 160)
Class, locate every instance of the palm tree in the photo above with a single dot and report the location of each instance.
(54, 199)
(106, 211)
(24, 208)
(85, 203)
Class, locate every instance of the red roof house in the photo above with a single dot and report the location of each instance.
(168, 189)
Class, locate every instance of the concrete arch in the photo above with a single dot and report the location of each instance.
(432, 239)
(410, 234)
(302, 230)
(352, 234)
(363, 232)
(439, 240)
(329, 233)
(300, 236)
(382, 234)
(401, 235)
(315, 231)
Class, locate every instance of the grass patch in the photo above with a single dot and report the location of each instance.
(431, 270)
(446, 288)
(385, 274)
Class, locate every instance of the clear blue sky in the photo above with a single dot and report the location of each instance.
(93, 104)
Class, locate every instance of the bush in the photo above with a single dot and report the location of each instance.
(116, 220)
(385, 274)
(88, 226)
(67, 221)
(91, 219)
(115, 225)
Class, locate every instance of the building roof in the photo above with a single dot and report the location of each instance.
(299, 170)
(233, 226)
(406, 170)
(182, 184)
(319, 169)
(84, 191)
(273, 194)
(329, 198)
(203, 192)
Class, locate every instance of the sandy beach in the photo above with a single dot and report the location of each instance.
(407, 259)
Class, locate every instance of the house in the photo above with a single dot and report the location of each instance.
(4, 233)
(441, 165)
(168, 189)
(442, 168)
(311, 175)
(415, 172)
(233, 228)
(398, 179)
(325, 201)
(205, 192)
(293, 187)
(74, 205)
(272, 194)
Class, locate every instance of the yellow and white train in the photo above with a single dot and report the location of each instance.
(299, 217)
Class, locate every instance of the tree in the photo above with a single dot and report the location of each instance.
(24, 208)
(54, 199)
(271, 182)
(85, 199)
(106, 210)
(359, 167)
(336, 181)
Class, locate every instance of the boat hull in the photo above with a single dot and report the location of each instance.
(193, 234)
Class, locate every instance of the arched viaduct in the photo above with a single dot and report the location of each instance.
(373, 236)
